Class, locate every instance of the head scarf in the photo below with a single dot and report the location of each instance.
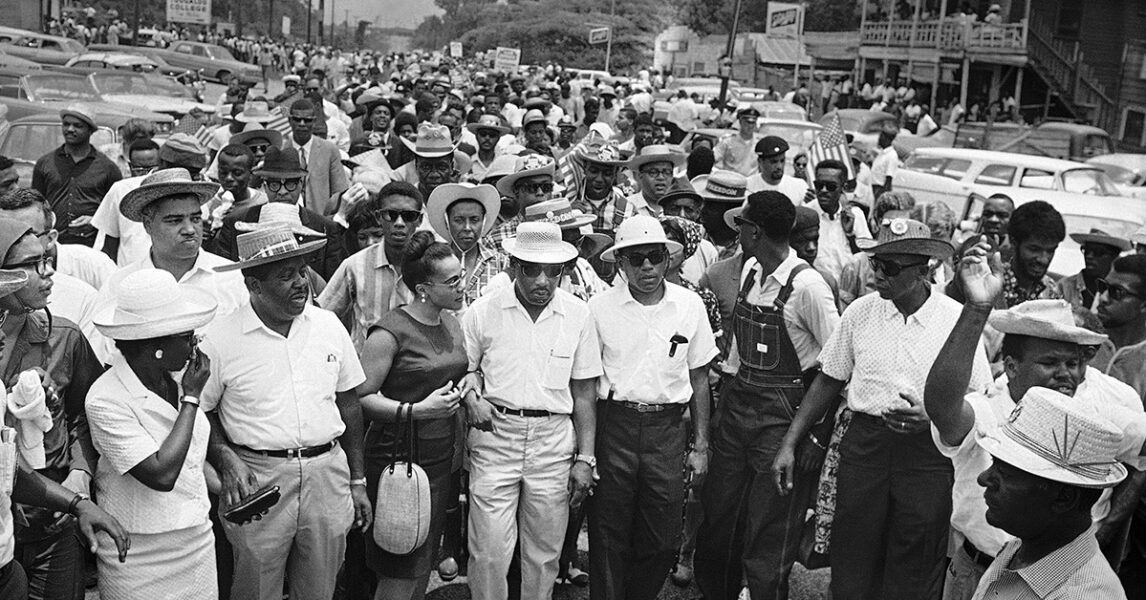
(689, 233)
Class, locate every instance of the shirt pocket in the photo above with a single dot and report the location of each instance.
(559, 364)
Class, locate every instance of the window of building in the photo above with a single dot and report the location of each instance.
(1133, 126)
(1069, 20)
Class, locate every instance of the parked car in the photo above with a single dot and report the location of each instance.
(56, 87)
(1118, 218)
(43, 48)
(1127, 171)
(31, 137)
(155, 55)
(156, 92)
(113, 60)
(215, 62)
(950, 175)
(770, 109)
(7, 61)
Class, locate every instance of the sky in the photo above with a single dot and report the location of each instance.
(397, 13)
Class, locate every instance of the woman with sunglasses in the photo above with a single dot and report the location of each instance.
(415, 361)
(152, 440)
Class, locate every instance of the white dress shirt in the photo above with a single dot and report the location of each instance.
(86, 264)
(834, 248)
(885, 165)
(884, 354)
(527, 364)
(276, 393)
(640, 362)
(227, 288)
(134, 242)
(792, 187)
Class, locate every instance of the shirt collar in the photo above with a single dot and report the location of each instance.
(823, 213)
(249, 321)
(380, 258)
(198, 266)
(63, 151)
(782, 272)
(128, 378)
(509, 300)
(922, 316)
(1054, 569)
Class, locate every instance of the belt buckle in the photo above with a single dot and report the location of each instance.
(643, 407)
(294, 452)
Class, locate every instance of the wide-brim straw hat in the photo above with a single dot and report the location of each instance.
(527, 166)
(639, 230)
(656, 153)
(1046, 319)
(279, 214)
(606, 153)
(906, 236)
(149, 304)
(162, 184)
(558, 211)
(255, 111)
(1052, 436)
(433, 141)
(268, 245)
(721, 186)
(539, 243)
(446, 194)
(1098, 236)
(254, 132)
(488, 122)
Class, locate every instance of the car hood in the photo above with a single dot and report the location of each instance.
(161, 104)
(108, 108)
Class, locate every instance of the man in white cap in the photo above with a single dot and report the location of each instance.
(535, 133)
(75, 177)
(655, 167)
(462, 214)
(656, 344)
(737, 151)
(283, 409)
(534, 358)
(1042, 347)
(1041, 488)
(893, 488)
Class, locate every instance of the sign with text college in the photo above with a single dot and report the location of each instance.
(189, 11)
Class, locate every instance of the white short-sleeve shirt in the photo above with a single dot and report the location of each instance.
(227, 288)
(638, 356)
(884, 354)
(276, 393)
(134, 243)
(528, 364)
(128, 424)
(792, 187)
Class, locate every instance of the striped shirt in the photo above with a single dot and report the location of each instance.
(363, 289)
(490, 262)
(1076, 571)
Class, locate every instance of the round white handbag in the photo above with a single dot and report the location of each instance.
(402, 502)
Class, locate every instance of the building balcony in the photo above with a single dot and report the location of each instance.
(946, 36)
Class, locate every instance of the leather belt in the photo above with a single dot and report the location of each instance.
(642, 407)
(981, 558)
(307, 452)
(522, 412)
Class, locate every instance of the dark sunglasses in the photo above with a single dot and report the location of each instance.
(827, 186)
(637, 260)
(890, 268)
(1116, 293)
(275, 185)
(258, 147)
(535, 188)
(534, 270)
(1099, 250)
(408, 216)
(302, 119)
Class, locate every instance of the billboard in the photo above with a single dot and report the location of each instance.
(785, 20)
(189, 11)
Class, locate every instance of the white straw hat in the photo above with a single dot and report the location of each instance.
(267, 245)
(278, 214)
(447, 193)
(149, 304)
(639, 230)
(1046, 319)
(1055, 437)
(539, 243)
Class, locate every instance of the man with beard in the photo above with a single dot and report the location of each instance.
(655, 167)
(368, 284)
(1042, 348)
(1034, 230)
(283, 410)
(534, 360)
(1099, 249)
(771, 154)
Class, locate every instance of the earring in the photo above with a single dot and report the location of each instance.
(422, 298)
(159, 354)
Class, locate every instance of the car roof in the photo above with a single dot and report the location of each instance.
(1072, 128)
(123, 57)
(1126, 160)
(102, 120)
(1024, 160)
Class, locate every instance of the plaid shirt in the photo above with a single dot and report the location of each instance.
(1014, 295)
(501, 232)
(490, 262)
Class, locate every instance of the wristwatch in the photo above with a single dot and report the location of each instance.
(189, 399)
(588, 459)
(360, 481)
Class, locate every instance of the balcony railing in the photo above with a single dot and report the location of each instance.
(946, 35)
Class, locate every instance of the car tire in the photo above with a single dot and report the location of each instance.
(222, 76)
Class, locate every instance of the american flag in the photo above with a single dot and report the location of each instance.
(830, 143)
(278, 123)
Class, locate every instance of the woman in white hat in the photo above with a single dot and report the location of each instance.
(152, 440)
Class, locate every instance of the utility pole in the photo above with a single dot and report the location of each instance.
(135, 25)
(346, 25)
(309, 5)
(271, 18)
(729, 53)
(321, 16)
(332, 21)
(609, 42)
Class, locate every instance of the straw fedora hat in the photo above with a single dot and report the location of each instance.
(656, 153)
(639, 230)
(279, 214)
(1098, 236)
(162, 184)
(1046, 319)
(268, 245)
(149, 303)
(433, 141)
(488, 122)
(606, 153)
(558, 211)
(1050, 435)
(527, 166)
(539, 243)
(906, 236)
(255, 111)
(446, 194)
(721, 186)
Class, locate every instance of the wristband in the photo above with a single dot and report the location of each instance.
(812, 438)
(189, 399)
(588, 459)
(75, 501)
(360, 481)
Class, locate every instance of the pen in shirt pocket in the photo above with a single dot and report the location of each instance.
(676, 340)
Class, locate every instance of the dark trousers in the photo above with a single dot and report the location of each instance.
(13, 584)
(893, 513)
(749, 529)
(53, 560)
(1132, 571)
(635, 512)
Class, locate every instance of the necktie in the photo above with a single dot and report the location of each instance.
(302, 157)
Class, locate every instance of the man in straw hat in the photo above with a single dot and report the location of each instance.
(656, 345)
(488, 130)
(783, 315)
(654, 167)
(535, 359)
(530, 182)
(462, 214)
(168, 204)
(771, 159)
(893, 498)
(1042, 491)
(1099, 249)
(436, 159)
(283, 409)
(597, 193)
(1042, 347)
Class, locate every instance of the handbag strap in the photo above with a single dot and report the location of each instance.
(409, 440)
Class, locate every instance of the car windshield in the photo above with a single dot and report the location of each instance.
(219, 53)
(120, 83)
(797, 137)
(1119, 175)
(1088, 181)
(48, 88)
(29, 141)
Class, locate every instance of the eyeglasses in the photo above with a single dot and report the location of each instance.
(890, 268)
(275, 185)
(657, 173)
(455, 281)
(535, 188)
(39, 265)
(303, 120)
(1116, 293)
(827, 186)
(258, 147)
(408, 216)
(141, 169)
(637, 260)
(533, 270)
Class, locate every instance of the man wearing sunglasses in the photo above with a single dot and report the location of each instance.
(1099, 249)
(326, 177)
(655, 168)
(840, 225)
(1122, 310)
(656, 344)
(534, 360)
(530, 183)
(784, 313)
